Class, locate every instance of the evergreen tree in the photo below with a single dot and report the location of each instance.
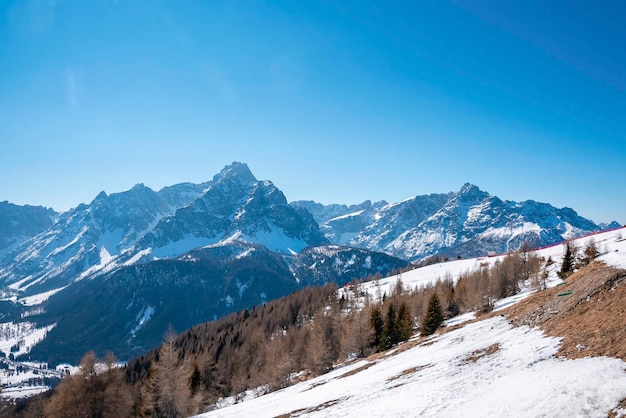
(405, 323)
(433, 317)
(378, 327)
(453, 306)
(392, 333)
(569, 258)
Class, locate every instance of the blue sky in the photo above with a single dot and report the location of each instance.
(336, 102)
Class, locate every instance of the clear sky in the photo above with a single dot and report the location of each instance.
(334, 101)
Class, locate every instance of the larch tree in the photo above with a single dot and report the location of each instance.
(590, 252)
(98, 390)
(360, 336)
(168, 390)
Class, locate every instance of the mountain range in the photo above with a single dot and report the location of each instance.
(112, 274)
(467, 223)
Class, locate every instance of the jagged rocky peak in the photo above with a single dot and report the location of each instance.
(138, 191)
(236, 172)
(101, 196)
(139, 201)
(471, 190)
(140, 188)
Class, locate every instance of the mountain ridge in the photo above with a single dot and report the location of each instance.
(140, 225)
(466, 223)
(117, 242)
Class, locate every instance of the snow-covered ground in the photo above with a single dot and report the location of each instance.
(22, 334)
(611, 246)
(485, 369)
(23, 382)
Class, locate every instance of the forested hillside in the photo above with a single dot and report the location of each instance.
(277, 344)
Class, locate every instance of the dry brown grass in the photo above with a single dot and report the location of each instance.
(591, 320)
(478, 354)
(357, 370)
(409, 371)
(612, 413)
(317, 408)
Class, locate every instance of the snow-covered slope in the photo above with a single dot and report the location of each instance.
(507, 371)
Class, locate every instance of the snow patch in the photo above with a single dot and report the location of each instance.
(349, 215)
(39, 298)
(106, 260)
(137, 257)
(142, 317)
(182, 246)
(276, 240)
(69, 244)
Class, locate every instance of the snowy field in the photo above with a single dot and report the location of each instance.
(485, 369)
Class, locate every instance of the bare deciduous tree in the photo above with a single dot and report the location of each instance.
(98, 390)
(168, 391)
